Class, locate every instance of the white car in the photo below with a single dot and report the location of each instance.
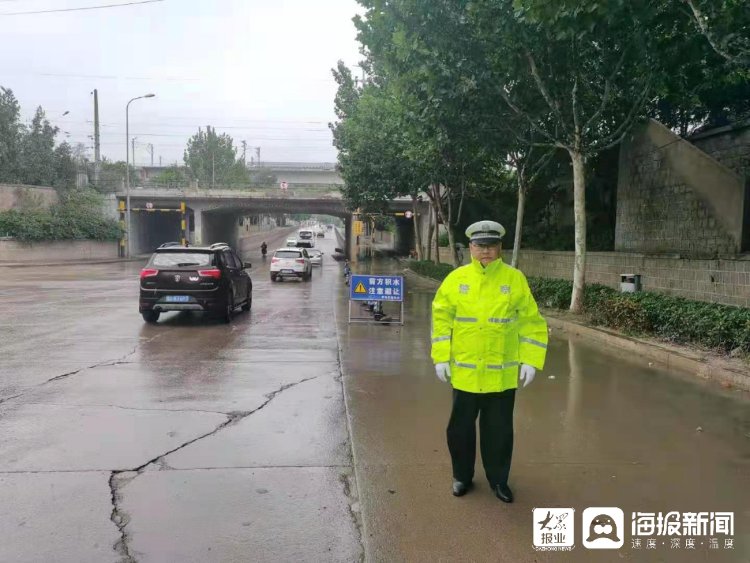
(316, 256)
(291, 242)
(306, 238)
(291, 263)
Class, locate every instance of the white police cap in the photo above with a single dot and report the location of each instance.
(485, 232)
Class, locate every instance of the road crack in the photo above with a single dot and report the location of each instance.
(106, 363)
(120, 519)
(121, 477)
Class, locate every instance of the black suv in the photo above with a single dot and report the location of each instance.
(211, 279)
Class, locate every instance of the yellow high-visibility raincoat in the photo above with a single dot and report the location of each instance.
(486, 323)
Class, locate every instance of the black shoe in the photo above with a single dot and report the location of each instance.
(503, 492)
(460, 489)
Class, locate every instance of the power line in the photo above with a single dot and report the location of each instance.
(100, 7)
(193, 127)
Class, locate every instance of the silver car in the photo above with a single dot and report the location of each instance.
(316, 256)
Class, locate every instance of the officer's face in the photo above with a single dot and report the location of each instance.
(485, 253)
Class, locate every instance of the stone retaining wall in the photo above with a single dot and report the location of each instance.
(717, 281)
(56, 251)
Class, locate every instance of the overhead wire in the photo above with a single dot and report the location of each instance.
(80, 8)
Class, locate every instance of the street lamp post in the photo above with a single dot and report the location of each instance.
(127, 166)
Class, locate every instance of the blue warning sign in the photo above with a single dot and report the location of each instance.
(376, 288)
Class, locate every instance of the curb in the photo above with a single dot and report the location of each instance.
(70, 263)
(685, 360)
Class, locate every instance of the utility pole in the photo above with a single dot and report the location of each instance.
(159, 161)
(244, 150)
(151, 150)
(97, 155)
(257, 153)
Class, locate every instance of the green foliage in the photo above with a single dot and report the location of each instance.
(212, 160)
(430, 269)
(263, 177)
(10, 135)
(28, 154)
(112, 176)
(443, 240)
(726, 26)
(671, 318)
(78, 216)
(172, 176)
(37, 159)
(65, 169)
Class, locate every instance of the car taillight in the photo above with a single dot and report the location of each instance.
(216, 274)
(274, 260)
(148, 273)
(300, 260)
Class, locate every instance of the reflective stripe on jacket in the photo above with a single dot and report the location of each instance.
(486, 323)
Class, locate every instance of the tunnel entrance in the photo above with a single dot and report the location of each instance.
(153, 228)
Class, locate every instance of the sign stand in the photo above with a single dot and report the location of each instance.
(375, 292)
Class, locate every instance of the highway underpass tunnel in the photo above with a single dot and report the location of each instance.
(222, 226)
(152, 228)
(404, 239)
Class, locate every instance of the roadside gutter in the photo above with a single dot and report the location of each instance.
(723, 370)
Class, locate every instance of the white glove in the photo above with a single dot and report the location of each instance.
(527, 374)
(443, 371)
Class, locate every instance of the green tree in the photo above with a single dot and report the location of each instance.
(373, 145)
(172, 176)
(112, 176)
(65, 168)
(37, 158)
(698, 87)
(586, 65)
(262, 177)
(10, 136)
(438, 73)
(726, 26)
(212, 159)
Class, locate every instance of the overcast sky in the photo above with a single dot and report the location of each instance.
(258, 70)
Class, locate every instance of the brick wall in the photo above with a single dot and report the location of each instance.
(56, 251)
(674, 198)
(15, 195)
(717, 281)
(729, 146)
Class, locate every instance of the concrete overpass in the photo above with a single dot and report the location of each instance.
(214, 215)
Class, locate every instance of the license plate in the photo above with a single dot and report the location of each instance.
(177, 298)
(287, 271)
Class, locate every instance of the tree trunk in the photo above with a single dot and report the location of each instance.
(519, 220)
(436, 205)
(579, 211)
(417, 230)
(430, 229)
(448, 222)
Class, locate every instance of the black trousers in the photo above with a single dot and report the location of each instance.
(495, 411)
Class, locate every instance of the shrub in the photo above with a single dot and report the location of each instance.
(679, 320)
(443, 240)
(676, 319)
(430, 269)
(78, 216)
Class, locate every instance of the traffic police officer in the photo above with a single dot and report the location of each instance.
(487, 334)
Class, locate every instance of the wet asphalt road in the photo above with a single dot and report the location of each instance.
(192, 440)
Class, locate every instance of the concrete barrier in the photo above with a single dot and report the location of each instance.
(12, 250)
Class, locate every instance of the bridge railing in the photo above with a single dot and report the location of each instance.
(182, 186)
